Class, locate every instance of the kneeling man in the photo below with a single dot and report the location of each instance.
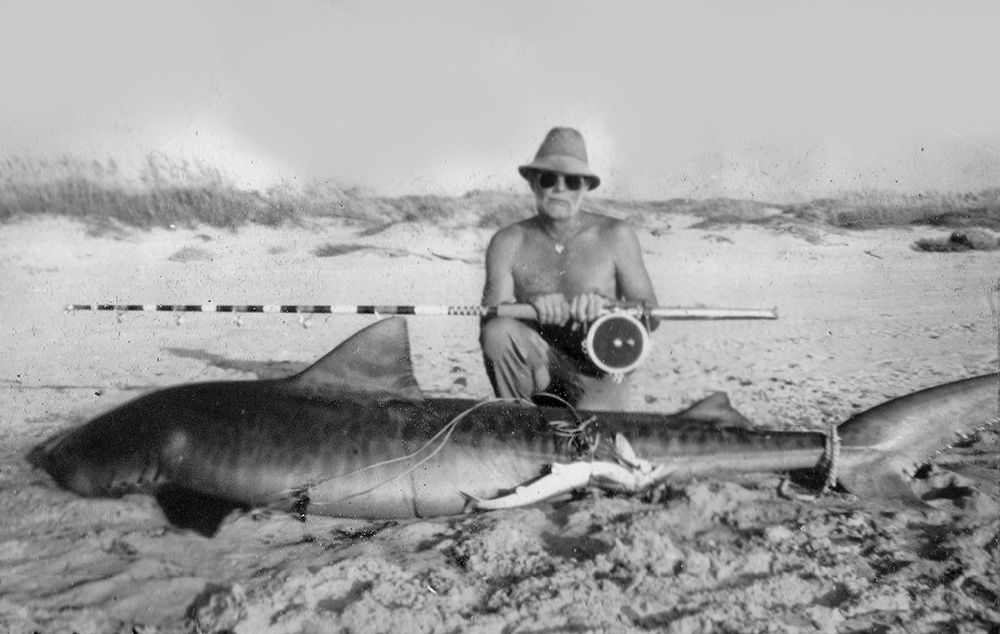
(569, 264)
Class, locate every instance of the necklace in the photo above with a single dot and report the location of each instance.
(559, 244)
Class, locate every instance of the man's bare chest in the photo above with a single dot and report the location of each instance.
(579, 267)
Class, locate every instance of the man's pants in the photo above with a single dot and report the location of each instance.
(521, 364)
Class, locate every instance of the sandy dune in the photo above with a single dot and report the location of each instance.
(863, 318)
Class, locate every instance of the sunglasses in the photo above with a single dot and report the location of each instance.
(548, 179)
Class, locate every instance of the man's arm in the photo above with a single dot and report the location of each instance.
(499, 287)
(631, 275)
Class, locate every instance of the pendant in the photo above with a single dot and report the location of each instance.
(559, 247)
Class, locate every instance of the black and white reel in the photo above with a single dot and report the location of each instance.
(617, 343)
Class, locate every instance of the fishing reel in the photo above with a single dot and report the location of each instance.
(617, 342)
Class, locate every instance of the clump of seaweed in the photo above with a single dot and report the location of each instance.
(972, 239)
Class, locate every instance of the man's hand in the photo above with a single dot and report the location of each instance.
(552, 309)
(587, 307)
(555, 309)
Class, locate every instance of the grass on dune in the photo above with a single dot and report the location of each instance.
(180, 194)
(169, 193)
(869, 211)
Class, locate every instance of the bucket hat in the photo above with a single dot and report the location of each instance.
(564, 151)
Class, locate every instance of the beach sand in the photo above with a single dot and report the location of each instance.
(863, 318)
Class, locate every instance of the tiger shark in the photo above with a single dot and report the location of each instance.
(354, 436)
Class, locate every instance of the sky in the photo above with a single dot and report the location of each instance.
(771, 100)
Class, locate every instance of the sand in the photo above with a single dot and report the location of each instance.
(863, 318)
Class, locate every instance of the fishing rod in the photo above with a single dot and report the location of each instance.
(516, 311)
(617, 341)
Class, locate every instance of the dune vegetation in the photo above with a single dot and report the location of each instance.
(167, 193)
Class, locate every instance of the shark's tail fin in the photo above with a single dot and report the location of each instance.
(878, 478)
(882, 447)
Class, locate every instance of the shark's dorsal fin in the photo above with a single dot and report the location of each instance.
(375, 360)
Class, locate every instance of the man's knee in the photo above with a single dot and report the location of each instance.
(503, 334)
(494, 335)
(515, 357)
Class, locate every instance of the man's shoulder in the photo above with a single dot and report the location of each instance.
(511, 235)
(609, 226)
(516, 230)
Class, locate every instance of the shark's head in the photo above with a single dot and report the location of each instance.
(135, 447)
(118, 452)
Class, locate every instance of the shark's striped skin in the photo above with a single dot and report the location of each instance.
(353, 436)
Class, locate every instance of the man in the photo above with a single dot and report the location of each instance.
(569, 264)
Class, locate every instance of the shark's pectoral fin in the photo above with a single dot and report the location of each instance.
(205, 513)
(202, 513)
